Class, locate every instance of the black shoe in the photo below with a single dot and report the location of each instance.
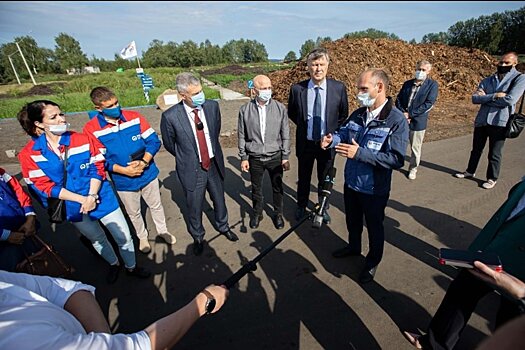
(344, 252)
(300, 213)
(198, 246)
(254, 221)
(326, 218)
(113, 274)
(367, 275)
(230, 235)
(278, 221)
(139, 272)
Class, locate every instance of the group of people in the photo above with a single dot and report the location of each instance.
(60, 163)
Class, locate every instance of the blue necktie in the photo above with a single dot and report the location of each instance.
(316, 133)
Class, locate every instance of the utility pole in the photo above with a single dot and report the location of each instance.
(14, 70)
(25, 62)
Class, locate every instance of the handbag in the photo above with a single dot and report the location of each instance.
(56, 207)
(45, 262)
(516, 123)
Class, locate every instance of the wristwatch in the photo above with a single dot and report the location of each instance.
(146, 163)
(94, 195)
(210, 303)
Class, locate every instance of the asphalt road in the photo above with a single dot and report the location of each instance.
(300, 297)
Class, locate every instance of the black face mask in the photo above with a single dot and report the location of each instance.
(504, 69)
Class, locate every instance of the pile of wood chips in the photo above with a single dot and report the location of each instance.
(457, 70)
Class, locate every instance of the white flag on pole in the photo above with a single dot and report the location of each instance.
(129, 51)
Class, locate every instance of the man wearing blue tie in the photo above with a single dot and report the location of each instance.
(317, 106)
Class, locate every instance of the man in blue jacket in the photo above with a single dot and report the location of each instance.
(415, 99)
(497, 96)
(374, 140)
(129, 144)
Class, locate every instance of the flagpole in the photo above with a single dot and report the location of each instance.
(138, 62)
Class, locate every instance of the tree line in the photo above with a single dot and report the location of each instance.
(496, 34)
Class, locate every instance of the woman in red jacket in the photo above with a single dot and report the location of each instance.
(89, 197)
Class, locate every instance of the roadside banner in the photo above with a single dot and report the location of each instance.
(147, 83)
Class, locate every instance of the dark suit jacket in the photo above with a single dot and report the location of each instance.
(506, 238)
(423, 102)
(178, 138)
(336, 109)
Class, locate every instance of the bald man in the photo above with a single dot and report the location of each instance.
(264, 145)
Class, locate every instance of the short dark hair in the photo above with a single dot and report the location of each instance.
(33, 112)
(316, 54)
(101, 94)
(379, 74)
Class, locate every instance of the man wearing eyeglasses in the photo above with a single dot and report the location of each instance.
(190, 132)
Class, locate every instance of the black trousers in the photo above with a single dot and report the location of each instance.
(459, 303)
(312, 152)
(372, 208)
(496, 137)
(275, 170)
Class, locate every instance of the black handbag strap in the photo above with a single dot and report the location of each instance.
(510, 88)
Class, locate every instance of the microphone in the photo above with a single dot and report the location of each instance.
(325, 192)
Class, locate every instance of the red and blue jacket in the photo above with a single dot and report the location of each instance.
(117, 142)
(43, 170)
(15, 205)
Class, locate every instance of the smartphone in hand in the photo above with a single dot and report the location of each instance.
(466, 258)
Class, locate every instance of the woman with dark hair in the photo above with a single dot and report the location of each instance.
(88, 196)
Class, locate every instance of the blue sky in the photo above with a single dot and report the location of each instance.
(103, 28)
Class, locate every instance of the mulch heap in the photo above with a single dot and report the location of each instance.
(457, 70)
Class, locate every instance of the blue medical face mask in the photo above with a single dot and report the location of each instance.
(112, 112)
(365, 100)
(420, 75)
(265, 95)
(198, 100)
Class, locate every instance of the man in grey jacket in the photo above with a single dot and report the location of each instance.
(497, 95)
(264, 144)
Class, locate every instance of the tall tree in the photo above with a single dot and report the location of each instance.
(371, 33)
(307, 47)
(68, 52)
(290, 56)
(440, 37)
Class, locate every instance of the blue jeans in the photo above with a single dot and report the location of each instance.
(118, 227)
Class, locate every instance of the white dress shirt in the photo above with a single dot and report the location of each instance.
(202, 117)
(262, 118)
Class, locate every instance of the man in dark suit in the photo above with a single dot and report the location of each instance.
(415, 99)
(317, 106)
(190, 132)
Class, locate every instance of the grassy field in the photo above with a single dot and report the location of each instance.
(71, 92)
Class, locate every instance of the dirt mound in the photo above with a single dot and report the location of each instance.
(39, 90)
(458, 71)
(233, 70)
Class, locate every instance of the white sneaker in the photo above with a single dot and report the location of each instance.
(464, 175)
(412, 174)
(144, 246)
(489, 184)
(168, 237)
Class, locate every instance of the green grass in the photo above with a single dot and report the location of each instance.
(72, 91)
(73, 96)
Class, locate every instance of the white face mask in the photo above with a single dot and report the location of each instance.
(365, 100)
(420, 75)
(265, 95)
(58, 129)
